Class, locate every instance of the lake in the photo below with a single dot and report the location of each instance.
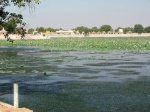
(75, 81)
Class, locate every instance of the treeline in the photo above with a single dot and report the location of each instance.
(138, 28)
(42, 29)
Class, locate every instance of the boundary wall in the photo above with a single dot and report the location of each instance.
(30, 36)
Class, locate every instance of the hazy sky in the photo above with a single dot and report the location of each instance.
(68, 14)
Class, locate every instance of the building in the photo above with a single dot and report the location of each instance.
(68, 32)
(120, 31)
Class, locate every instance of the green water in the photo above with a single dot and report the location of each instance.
(76, 81)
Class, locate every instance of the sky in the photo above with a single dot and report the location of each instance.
(69, 14)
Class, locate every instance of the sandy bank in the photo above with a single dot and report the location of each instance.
(8, 108)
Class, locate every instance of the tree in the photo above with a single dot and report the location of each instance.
(10, 26)
(51, 29)
(30, 31)
(128, 29)
(94, 29)
(138, 28)
(106, 28)
(82, 29)
(117, 30)
(147, 29)
(40, 29)
(9, 20)
(1, 27)
(37, 29)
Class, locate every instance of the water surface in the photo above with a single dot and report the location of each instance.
(69, 81)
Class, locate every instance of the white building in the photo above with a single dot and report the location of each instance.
(68, 32)
(120, 30)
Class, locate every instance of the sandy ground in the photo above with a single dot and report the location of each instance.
(8, 108)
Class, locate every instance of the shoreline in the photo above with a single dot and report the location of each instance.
(30, 36)
(4, 107)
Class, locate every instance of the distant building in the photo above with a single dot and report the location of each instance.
(35, 32)
(46, 32)
(68, 32)
(120, 31)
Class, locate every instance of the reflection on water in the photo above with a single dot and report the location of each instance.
(76, 81)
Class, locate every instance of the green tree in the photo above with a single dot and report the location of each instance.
(51, 29)
(128, 29)
(40, 29)
(37, 29)
(1, 27)
(82, 29)
(30, 31)
(116, 30)
(106, 28)
(10, 26)
(11, 20)
(138, 28)
(147, 29)
(94, 29)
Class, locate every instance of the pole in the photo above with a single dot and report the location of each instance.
(16, 96)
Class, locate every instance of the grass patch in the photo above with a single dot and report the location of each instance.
(93, 44)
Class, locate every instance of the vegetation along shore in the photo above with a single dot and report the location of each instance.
(80, 44)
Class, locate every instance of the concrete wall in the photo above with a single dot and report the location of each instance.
(30, 36)
(121, 35)
(104, 35)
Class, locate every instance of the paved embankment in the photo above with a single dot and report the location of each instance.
(29, 36)
(8, 108)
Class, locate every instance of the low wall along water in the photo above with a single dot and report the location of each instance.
(29, 36)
